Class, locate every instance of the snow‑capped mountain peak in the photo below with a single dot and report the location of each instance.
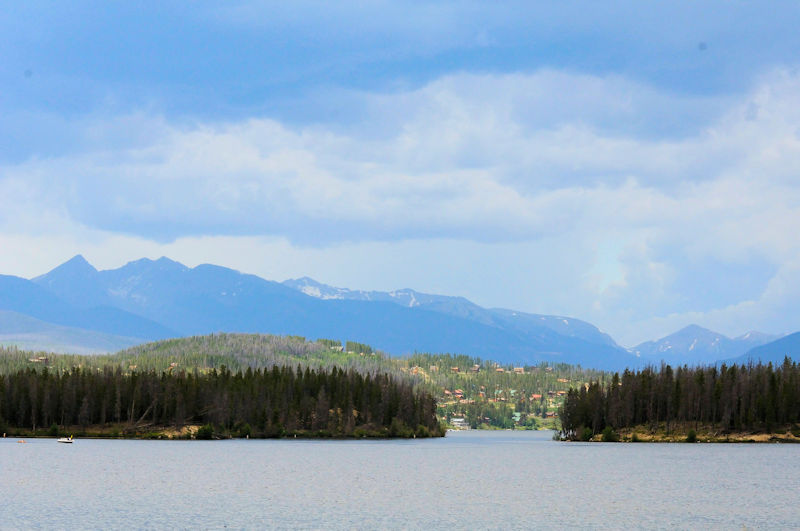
(519, 322)
(757, 338)
(404, 297)
(695, 344)
(312, 288)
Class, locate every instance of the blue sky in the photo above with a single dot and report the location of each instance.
(634, 165)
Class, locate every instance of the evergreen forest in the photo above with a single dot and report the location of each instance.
(736, 398)
(276, 402)
(469, 391)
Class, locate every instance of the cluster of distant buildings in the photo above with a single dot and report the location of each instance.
(458, 394)
(477, 368)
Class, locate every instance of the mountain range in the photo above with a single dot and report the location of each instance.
(75, 307)
(774, 351)
(694, 344)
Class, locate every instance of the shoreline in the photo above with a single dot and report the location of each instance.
(703, 434)
(195, 432)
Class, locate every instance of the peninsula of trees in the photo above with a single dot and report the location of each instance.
(736, 402)
(277, 402)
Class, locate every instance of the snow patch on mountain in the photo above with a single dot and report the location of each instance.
(694, 344)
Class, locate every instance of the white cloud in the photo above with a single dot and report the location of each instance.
(535, 168)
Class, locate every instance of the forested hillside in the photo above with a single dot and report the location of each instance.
(203, 353)
(479, 393)
(469, 392)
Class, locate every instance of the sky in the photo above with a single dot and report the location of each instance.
(633, 165)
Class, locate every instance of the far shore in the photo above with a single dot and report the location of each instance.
(703, 434)
(189, 432)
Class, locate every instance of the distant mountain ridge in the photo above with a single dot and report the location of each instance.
(156, 299)
(697, 345)
(460, 307)
(774, 351)
(32, 334)
(208, 298)
(29, 298)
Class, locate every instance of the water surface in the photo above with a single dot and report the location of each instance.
(468, 480)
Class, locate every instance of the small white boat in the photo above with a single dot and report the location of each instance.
(65, 439)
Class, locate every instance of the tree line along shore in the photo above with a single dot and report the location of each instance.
(730, 403)
(277, 402)
(177, 388)
(469, 391)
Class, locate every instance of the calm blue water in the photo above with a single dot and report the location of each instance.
(469, 480)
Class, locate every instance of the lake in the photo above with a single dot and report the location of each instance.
(470, 479)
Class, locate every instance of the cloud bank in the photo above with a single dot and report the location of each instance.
(589, 195)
